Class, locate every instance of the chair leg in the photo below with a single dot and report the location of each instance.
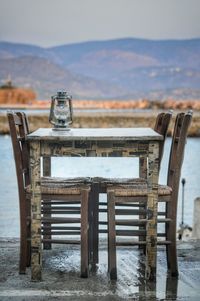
(23, 257)
(90, 221)
(171, 250)
(172, 253)
(142, 174)
(28, 229)
(112, 266)
(84, 234)
(167, 246)
(28, 242)
(142, 238)
(23, 249)
(172, 262)
(95, 224)
(28, 262)
(47, 173)
(47, 245)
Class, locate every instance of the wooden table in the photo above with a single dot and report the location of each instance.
(104, 142)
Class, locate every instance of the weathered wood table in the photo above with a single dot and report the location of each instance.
(138, 142)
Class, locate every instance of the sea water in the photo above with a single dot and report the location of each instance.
(106, 167)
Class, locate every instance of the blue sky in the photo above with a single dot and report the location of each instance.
(50, 22)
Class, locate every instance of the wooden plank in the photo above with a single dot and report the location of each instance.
(152, 201)
(50, 227)
(36, 254)
(64, 232)
(60, 220)
(84, 234)
(47, 207)
(112, 260)
(130, 232)
(109, 134)
(62, 241)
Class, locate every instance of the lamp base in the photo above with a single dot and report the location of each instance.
(61, 129)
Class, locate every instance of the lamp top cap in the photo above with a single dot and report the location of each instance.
(62, 93)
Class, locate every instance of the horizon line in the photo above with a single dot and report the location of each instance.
(102, 40)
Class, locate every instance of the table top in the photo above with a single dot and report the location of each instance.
(47, 134)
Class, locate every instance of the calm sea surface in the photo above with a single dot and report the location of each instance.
(107, 167)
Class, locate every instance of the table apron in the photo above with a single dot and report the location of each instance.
(95, 148)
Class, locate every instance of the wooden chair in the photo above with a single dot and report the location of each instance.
(161, 126)
(61, 199)
(134, 197)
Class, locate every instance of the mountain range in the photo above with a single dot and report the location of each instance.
(114, 69)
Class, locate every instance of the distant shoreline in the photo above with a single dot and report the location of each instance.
(107, 104)
(83, 119)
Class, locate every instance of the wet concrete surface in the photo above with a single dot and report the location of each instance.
(61, 275)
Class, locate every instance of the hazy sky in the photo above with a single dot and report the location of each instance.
(50, 22)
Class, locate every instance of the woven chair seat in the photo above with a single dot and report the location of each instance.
(118, 181)
(53, 185)
(138, 190)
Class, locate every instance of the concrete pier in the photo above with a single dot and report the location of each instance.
(61, 276)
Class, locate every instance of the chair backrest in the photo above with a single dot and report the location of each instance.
(19, 128)
(179, 137)
(161, 127)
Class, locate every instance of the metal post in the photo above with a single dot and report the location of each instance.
(183, 203)
(182, 226)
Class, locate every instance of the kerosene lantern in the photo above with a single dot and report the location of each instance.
(61, 111)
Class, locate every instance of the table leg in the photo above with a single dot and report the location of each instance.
(94, 219)
(143, 167)
(95, 223)
(47, 166)
(142, 174)
(36, 255)
(47, 173)
(151, 227)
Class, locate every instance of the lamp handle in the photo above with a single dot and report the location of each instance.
(51, 115)
(71, 110)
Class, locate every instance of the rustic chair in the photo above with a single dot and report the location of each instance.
(61, 199)
(134, 196)
(161, 126)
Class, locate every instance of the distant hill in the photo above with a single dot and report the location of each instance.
(46, 78)
(122, 68)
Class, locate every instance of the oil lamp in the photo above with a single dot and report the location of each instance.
(61, 111)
